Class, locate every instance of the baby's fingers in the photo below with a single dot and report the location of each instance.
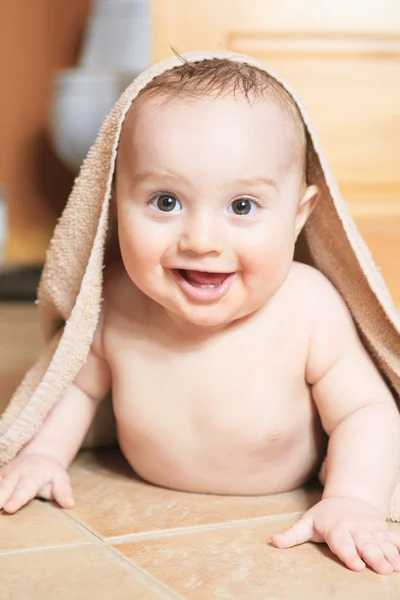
(62, 491)
(7, 486)
(394, 537)
(372, 553)
(390, 552)
(23, 492)
(342, 544)
(299, 533)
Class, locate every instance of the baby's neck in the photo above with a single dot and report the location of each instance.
(184, 332)
(191, 331)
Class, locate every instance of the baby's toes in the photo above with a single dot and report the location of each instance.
(372, 554)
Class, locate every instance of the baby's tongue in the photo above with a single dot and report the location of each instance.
(202, 278)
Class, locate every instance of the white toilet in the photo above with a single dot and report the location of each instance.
(116, 48)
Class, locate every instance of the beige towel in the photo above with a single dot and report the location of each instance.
(70, 290)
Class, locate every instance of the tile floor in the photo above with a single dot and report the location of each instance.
(128, 539)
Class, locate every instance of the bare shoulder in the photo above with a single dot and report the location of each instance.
(319, 294)
(312, 277)
(333, 332)
(304, 277)
(332, 328)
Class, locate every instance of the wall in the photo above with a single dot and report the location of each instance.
(36, 38)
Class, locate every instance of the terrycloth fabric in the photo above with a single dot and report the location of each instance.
(70, 290)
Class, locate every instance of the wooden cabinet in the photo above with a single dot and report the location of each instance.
(343, 59)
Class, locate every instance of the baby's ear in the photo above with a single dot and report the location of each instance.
(306, 206)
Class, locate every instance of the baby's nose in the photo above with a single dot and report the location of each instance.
(201, 236)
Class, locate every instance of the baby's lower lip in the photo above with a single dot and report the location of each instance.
(204, 293)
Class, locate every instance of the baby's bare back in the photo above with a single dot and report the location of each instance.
(231, 414)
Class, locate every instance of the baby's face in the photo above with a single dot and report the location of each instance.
(209, 186)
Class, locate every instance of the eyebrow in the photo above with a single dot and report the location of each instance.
(157, 175)
(258, 181)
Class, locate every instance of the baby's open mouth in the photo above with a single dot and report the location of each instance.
(203, 286)
(203, 279)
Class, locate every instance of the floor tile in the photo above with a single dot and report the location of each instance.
(112, 501)
(36, 525)
(238, 563)
(20, 346)
(80, 573)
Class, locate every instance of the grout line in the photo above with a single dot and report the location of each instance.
(164, 533)
(143, 575)
(44, 548)
(74, 523)
(100, 541)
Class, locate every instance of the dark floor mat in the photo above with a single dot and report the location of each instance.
(19, 284)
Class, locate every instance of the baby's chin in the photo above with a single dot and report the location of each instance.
(207, 318)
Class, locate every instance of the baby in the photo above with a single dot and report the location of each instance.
(233, 368)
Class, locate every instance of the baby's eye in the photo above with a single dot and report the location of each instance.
(166, 203)
(243, 206)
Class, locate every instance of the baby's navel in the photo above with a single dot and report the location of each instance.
(273, 434)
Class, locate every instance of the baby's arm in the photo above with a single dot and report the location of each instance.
(356, 408)
(40, 469)
(360, 416)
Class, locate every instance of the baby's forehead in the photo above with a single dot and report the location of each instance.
(146, 109)
(273, 121)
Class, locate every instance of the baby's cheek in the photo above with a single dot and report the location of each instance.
(266, 265)
(262, 255)
(138, 246)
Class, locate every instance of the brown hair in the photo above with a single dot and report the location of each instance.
(221, 77)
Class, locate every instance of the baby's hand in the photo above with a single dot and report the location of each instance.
(353, 530)
(34, 475)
